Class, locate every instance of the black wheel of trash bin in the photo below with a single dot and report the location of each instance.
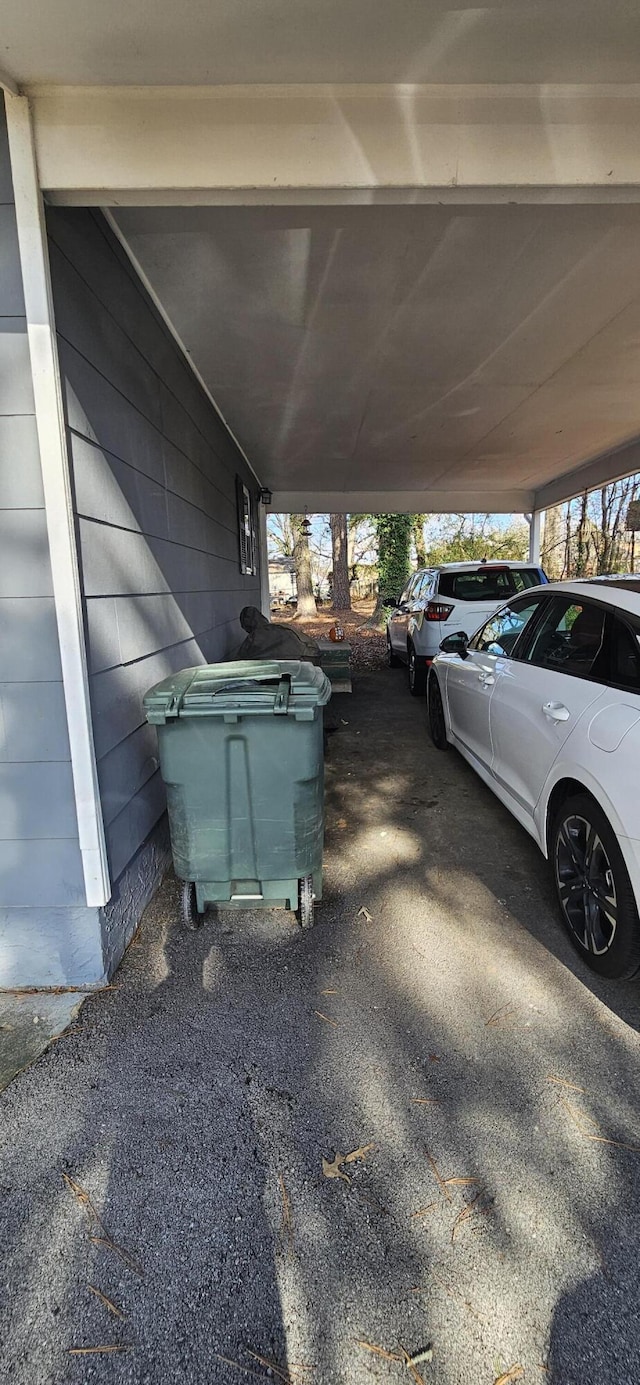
(305, 901)
(190, 916)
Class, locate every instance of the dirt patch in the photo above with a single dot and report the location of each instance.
(368, 645)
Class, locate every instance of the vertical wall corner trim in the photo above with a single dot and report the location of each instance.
(49, 412)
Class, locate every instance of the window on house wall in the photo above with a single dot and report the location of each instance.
(247, 531)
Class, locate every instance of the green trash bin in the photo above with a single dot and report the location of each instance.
(241, 756)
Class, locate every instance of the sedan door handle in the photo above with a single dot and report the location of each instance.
(556, 711)
(486, 678)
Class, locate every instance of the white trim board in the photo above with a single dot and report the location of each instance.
(45, 373)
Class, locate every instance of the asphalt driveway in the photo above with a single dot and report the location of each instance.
(436, 1019)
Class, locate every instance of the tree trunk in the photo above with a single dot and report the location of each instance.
(418, 539)
(393, 533)
(339, 548)
(553, 542)
(302, 563)
(566, 571)
(581, 538)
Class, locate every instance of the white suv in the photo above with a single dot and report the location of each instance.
(439, 600)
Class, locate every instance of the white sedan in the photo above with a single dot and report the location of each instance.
(544, 702)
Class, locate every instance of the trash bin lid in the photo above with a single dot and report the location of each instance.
(263, 687)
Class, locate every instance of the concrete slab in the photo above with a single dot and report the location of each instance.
(28, 1024)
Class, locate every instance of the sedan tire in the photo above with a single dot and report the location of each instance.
(435, 708)
(594, 891)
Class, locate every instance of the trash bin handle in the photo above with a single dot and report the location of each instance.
(281, 704)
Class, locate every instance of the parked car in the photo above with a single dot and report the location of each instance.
(544, 703)
(456, 596)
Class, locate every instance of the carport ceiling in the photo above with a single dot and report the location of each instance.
(421, 351)
(228, 41)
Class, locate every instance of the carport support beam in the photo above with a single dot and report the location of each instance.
(535, 536)
(263, 554)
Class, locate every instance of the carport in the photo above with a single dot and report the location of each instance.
(358, 266)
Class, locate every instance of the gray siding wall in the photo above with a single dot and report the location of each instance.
(154, 474)
(40, 867)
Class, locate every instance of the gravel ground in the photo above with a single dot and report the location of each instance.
(196, 1103)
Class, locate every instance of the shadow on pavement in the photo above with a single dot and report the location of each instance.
(428, 1016)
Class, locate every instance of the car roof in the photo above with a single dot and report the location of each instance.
(477, 564)
(622, 592)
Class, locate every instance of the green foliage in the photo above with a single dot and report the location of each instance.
(393, 533)
(464, 542)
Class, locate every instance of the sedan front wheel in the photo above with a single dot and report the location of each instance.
(594, 890)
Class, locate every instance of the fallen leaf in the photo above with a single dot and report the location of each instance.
(327, 1019)
(123, 1255)
(425, 1101)
(88, 1351)
(501, 1016)
(467, 1211)
(422, 1211)
(357, 1154)
(514, 1373)
(333, 1169)
(560, 1082)
(271, 1366)
(341, 823)
(107, 1301)
(82, 1196)
(364, 913)
(454, 1294)
(329, 991)
(579, 1117)
(379, 1351)
(440, 1180)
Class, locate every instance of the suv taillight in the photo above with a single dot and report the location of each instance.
(436, 610)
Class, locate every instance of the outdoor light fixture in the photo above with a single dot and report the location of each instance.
(265, 496)
(305, 527)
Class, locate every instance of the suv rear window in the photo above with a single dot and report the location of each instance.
(488, 583)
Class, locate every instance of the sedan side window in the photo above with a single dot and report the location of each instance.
(570, 639)
(624, 669)
(500, 634)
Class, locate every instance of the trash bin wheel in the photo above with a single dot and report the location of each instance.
(190, 916)
(305, 901)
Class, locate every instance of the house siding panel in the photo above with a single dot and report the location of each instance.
(154, 475)
(40, 862)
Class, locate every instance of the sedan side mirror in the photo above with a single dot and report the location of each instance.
(456, 643)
